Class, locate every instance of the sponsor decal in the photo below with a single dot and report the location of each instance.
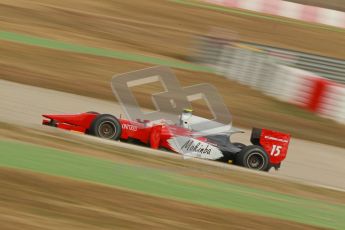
(129, 127)
(190, 147)
(276, 139)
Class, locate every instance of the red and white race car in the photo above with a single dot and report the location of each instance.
(268, 149)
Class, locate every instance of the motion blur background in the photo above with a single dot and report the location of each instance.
(291, 60)
(277, 64)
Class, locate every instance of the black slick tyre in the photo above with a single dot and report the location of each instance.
(253, 157)
(105, 126)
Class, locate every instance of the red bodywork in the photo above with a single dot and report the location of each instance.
(157, 135)
(275, 144)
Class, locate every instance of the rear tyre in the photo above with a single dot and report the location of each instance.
(106, 126)
(253, 157)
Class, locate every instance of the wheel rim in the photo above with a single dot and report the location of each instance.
(255, 161)
(107, 130)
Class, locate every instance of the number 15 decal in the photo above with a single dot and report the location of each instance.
(276, 150)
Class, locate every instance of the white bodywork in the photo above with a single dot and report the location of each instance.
(191, 147)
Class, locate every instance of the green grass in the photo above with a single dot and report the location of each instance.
(171, 185)
(253, 14)
(59, 45)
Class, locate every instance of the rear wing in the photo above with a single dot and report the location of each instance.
(274, 143)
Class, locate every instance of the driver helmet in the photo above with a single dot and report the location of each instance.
(185, 116)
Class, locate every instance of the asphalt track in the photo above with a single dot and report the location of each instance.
(307, 162)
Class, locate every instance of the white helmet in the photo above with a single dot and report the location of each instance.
(185, 116)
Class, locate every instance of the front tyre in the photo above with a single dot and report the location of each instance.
(253, 157)
(106, 126)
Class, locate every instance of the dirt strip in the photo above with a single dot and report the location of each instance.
(36, 201)
(160, 28)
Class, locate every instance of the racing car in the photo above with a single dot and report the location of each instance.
(268, 148)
